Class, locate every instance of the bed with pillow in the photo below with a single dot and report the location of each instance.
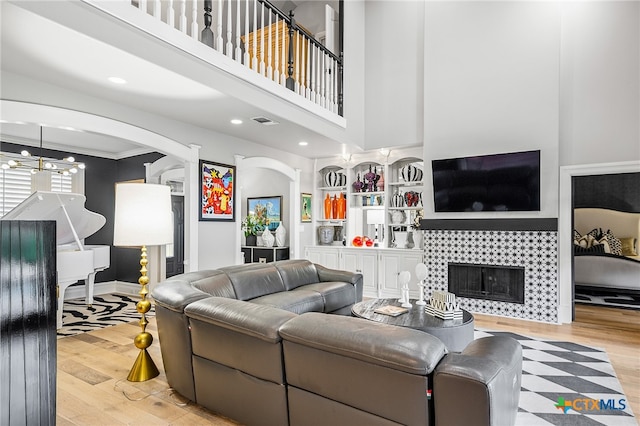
(606, 249)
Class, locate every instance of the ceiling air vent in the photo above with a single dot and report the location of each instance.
(265, 121)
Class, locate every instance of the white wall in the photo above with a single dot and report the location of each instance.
(491, 86)
(393, 99)
(354, 70)
(600, 82)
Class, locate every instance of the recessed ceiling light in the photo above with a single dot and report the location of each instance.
(117, 80)
(303, 143)
(236, 121)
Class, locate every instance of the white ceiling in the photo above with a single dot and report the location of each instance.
(44, 50)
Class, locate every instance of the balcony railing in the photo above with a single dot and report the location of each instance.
(259, 36)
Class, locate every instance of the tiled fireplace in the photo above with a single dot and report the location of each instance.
(528, 244)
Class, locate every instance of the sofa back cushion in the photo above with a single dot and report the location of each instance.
(216, 284)
(297, 272)
(177, 292)
(254, 280)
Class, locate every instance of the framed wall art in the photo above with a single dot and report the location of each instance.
(217, 195)
(305, 207)
(266, 208)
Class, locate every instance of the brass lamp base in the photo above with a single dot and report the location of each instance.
(143, 369)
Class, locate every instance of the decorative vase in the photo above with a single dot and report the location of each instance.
(327, 207)
(417, 239)
(281, 235)
(400, 239)
(411, 198)
(325, 235)
(342, 205)
(369, 179)
(251, 240)
(410, 173)
(333, 179)
(380, 182)
(397, 200)
(334, 207)
(398, 217)
(268, 238)
(357, 185)
(410, 244)
(338, 235)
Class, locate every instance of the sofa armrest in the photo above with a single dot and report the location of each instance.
(260, 321)
(176, 294)
(487, 376)
(326, 274)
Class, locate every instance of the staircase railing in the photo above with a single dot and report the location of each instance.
(259, 36)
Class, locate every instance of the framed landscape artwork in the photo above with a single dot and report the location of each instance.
(305, 207)
(217, 197)
(266, 207)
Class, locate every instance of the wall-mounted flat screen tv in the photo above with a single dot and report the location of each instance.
(498, 182)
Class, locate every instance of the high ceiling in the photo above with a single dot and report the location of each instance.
(50, 51)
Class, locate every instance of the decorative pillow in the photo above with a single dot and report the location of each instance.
(576, 236)
(602, 244)
(614, 243)
(598, 248)
(595, 233)
(629, 247)
(585, 241)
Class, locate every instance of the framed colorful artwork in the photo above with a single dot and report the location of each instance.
(266, 208)
(217, 196)
(305, 207)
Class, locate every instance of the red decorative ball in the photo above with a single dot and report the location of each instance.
(357, 241)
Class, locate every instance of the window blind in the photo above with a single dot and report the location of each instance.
(16, 186)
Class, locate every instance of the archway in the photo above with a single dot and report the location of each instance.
(15, 111)
(243, 164)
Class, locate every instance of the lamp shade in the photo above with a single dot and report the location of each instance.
(375, 217)
(143, 215)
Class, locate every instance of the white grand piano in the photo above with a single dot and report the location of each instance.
(76, 261)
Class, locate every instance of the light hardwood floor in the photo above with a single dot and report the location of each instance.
(92, 369)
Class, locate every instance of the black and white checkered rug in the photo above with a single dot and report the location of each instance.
(565, 383)
(106, 310)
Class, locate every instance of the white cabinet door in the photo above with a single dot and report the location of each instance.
(369, 266)
(329, 257)
(365, 262)
(392, 262)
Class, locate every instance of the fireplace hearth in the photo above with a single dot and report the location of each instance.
(490, 282)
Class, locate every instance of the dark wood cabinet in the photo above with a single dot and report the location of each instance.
(28, 327)
(254, 254)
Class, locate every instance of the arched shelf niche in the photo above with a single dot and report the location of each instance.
(293, 175)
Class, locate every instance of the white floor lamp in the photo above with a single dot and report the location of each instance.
(143, 218)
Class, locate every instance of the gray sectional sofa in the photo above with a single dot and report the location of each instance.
(274, 344)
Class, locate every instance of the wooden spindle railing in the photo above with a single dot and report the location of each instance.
(263, 38)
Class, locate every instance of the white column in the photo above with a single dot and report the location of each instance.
(237, 187)
(295, 251)
(191, 203)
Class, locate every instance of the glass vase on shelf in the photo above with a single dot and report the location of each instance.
(380, 182)
(327, 207)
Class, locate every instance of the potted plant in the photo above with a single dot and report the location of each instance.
(252, 226)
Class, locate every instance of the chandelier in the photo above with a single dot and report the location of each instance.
(26, 160)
